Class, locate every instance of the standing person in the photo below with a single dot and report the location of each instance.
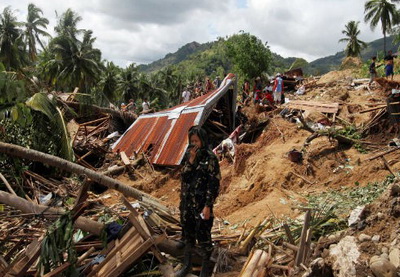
(257, 90)
(278, 89)
(217, 82)
(131, 107)
(186, 95)
(389, 68)
(200, 185)
(372, 71)
(246, 92)
(209, 85)
(146, 106)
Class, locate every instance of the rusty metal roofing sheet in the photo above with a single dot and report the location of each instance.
(164, 134)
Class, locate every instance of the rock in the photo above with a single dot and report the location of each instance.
(395, 190)
(385, 250)
(383, 268)
(374, 259)
(325, 253)
(376, 238)
(395, 207)
(345, 255)
(380, 215)
(394, 257)
(355, 216)
(364, 237)
(385, 256)
(319, 268)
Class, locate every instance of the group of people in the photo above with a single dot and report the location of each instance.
(131, 106)
(199, 89)
(267, 96)
(389, 67)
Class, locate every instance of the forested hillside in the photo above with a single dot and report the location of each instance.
(210, 58)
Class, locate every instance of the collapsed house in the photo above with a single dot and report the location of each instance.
(162, 136)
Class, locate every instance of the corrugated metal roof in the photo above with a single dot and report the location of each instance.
(164, 134)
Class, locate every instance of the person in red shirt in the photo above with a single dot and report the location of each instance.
(209, 85)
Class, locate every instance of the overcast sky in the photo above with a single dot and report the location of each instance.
(142, 31)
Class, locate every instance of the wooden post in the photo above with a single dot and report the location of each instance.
(303, 238)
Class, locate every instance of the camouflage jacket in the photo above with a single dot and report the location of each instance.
(200, 181)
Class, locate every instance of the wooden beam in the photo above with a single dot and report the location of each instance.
(303, 238)
(10, 189)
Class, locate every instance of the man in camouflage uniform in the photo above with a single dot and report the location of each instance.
(200, 185)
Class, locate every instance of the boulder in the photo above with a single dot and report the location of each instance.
(394, 257)
(383, 268)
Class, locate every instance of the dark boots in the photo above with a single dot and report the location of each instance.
(205, 267)
(187, 262)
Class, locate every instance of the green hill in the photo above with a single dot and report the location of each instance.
(209, 59)
(174, 58)
(333, 62)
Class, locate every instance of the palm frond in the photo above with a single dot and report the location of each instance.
(40, 102)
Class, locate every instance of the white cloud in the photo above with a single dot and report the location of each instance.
(142, 31)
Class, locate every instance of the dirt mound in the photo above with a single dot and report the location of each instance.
(334, 76)
(351, 63)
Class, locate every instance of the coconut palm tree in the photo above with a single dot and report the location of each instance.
(12, 49)
(70, 62)
(384, 12)
(68, 25)
(34, 28)
(107, 90)
(128, 85)
(354, 45)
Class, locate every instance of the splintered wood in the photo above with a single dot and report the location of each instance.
(312, 105)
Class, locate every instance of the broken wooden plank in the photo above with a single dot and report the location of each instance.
(373, 109)
(383, 153)
(288, 233)
(9, 187)
(313, 105)
(303, 238)
(124, 158)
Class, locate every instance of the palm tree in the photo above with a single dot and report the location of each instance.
(354, 45)
(12, 49)
(67, 25)
(128, 85)
(108, 84)
(33, 25)
(384, 12)
(73, 63)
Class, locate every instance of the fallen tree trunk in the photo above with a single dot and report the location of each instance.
(168, 246)
(26, 206)
(127, 117)
(316, 134)
(33, 155)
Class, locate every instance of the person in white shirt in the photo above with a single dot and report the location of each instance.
(186, 95)
(146, 106)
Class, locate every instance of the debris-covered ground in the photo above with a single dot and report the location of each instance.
(284, 205)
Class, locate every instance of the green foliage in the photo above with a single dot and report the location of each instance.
(12, 48)
(383, 12)
(12, 90)
(349, 198)
(58, 242)
(298, 63)
(354, 45)
(248, 54)
(42, 103)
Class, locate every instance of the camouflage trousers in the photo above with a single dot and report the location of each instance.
(195, 228)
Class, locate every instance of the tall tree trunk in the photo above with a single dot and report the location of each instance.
(33, 155)
(384, 42)
(26, 206)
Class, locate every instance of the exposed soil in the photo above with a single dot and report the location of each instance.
(263, 183)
